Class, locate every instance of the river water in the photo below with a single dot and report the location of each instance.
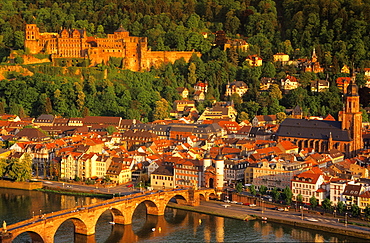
(175, 226)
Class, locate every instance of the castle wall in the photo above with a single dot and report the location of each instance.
(75, 44)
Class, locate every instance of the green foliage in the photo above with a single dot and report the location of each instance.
(313, 202)
(239, 187)
(263, 189)
(275, 194)
(288, 195)
(299, 198)
(252, 190)
(367, 212)
(19, 169)
(341, 207)
(326, 204)
(161, 109)
(355, 210)
(111, 130)
(3, 167)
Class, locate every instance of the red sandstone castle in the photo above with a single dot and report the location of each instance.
(76, 44)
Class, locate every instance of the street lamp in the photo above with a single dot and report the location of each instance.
(345, 220)
(301, 211)
(33, 214)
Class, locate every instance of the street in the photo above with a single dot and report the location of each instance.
(271, 213)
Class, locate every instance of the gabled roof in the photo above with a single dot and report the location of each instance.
(352, 190)
(165, 170)
(31, 133)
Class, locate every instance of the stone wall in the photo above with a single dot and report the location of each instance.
(21, 185)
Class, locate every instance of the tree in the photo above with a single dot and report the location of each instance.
(243, 116)
(263, 189)
(161, 109)
(340, 207)
(268, 70)
(355, 210)
(288, 195)
(20, 169)
(3, 166)
(252, 190)
(275, 194)
(239, 187)
(275, 92)
(280, 117)
(326, 204)
(367, 212)
(111, 129)
(192, 77)
(313, 202)
(299, 198)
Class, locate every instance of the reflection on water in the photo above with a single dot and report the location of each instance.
(174, 226)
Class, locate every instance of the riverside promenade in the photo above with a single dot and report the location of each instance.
(309, 221)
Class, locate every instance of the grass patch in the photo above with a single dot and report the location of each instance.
(85, 194)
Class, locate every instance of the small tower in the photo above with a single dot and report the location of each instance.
(314, 56)
(220, 164)
(207, 161)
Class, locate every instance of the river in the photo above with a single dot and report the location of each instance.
(175, 226)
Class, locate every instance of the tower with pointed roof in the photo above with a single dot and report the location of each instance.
(351, 117)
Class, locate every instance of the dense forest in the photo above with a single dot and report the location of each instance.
(336, 29)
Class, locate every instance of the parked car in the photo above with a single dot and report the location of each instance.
(246, 204)
(227, 201)
(252, 205)
(283, 209)
(234, 202)
(312, 219)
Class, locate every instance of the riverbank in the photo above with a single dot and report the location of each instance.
(234, 211)
(206, 210)
(20, 185)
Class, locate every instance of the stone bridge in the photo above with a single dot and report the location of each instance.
(43, 228)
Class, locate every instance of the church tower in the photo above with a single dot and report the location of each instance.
(351, 117)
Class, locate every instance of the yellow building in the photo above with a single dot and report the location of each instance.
(281, 57)
(364, 200)
(275, 174)
(162, 178)
(119, 171)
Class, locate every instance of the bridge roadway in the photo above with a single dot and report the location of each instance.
(43, 228)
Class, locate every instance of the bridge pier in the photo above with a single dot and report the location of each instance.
(84, 238)
(5, 237)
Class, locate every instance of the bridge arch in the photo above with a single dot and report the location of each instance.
(80, 226)
(151, 207)
(178, 198)
(35, 237)
(202, 197)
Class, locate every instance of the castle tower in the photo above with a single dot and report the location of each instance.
(351, 117)
(219, 164)
(32, 34)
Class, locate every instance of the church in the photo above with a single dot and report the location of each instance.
(324, 135)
